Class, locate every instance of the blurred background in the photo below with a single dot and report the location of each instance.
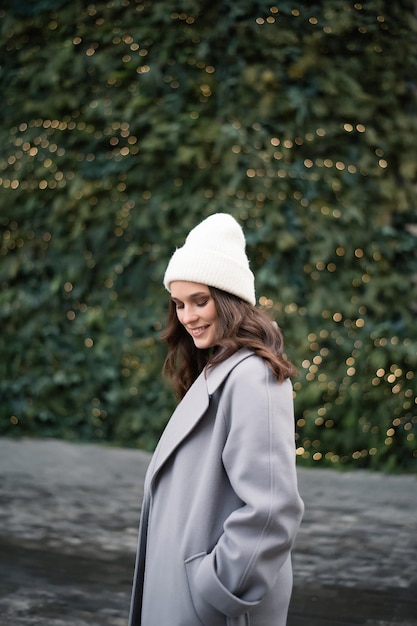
(123, 123)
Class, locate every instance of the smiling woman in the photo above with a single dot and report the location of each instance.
(221, 507)
(196, 311)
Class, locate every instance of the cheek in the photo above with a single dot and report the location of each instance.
(214, 316)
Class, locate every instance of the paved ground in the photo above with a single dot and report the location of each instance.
(68, 523)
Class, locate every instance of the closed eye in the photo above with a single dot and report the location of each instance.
(180, 305)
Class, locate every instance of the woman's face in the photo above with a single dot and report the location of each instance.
(196, 311)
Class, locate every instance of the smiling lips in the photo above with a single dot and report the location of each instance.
(196, 332)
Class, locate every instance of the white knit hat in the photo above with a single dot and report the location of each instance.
(214, 254)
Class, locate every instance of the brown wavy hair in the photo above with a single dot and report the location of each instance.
(241, 326)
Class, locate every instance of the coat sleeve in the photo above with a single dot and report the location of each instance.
(259, 458)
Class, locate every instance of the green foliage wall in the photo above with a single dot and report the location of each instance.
(123, 123)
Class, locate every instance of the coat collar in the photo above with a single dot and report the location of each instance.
(192, 408)
(217, 375)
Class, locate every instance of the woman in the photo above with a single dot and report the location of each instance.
(221, 507)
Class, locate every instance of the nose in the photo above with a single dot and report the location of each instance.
(189, 315)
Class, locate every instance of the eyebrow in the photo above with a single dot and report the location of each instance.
(192, 296)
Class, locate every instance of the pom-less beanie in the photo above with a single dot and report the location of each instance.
(214, 254)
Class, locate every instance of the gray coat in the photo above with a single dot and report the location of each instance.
(221, 507)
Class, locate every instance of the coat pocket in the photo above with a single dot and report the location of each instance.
(206, 613)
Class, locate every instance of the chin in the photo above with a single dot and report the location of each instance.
(202, 345)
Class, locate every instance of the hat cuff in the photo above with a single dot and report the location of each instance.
(214, 270)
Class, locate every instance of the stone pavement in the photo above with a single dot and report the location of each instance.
(68, 524)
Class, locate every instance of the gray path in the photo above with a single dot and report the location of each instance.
(68, 523)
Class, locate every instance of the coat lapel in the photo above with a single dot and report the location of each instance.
(218, 374)
(187, 414)
(192, 408)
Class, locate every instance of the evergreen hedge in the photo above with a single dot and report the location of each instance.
(124, 123)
